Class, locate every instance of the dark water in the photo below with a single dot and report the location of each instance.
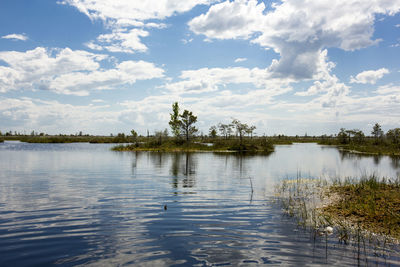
(72, 204)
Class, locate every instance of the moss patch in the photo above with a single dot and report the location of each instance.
(373, 204)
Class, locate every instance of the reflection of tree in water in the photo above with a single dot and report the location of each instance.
(377, 159)
(396, 162)
(239, 163)
(184, 164)
(156, 159)
(134, 162)
(348, 155)
(396, 165)
(357, 156)
(237, 160)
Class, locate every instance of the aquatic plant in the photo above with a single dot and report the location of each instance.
(356, 211)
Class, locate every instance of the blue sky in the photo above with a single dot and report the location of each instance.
(292, 66)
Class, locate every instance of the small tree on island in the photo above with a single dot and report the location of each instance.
(134, 135)
(186, 123)
(182, 124)
(174, 123)
(377, 132)
(250, 131)
(241, 129)
(225, 129)
(394, 135)
(342, 136)
(213, 131)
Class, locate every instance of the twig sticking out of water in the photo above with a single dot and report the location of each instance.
(251, 184)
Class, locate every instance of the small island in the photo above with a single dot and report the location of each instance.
(185, 140)
(364, 208)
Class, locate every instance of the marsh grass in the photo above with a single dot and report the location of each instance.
(367, 146)
(166, 146)
(372, 203)
(217, 145)
(69, 139)
(364, 212)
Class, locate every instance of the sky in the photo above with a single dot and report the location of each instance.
(288, 67)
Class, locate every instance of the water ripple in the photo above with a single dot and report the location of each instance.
(85, 205)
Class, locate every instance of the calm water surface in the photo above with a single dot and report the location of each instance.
(72, 204)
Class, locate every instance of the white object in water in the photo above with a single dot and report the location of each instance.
(329, 230)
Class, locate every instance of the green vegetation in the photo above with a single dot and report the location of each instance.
(184, 137)
(367, 208)
(355, 140)
(372, 203)
(120, 138)
(186, 124)
(169, 144)
(234, 136)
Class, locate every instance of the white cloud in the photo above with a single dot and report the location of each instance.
(15, 36)
(297, 30)
(186, 41)
(213, 79)
(397, 25)
(127, 19)
(55, 117)
(229, 20)
(325, 82)
(134, 11)
(120, 40)
(66, 71)
(240, 59)
(369, 76)
(328, 85)
(388, 89)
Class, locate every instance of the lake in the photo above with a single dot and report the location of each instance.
(83, 204)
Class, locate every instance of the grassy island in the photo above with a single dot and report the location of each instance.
(371, 149)
(177, 145)
(368, 207)
(354, 140)
(373, 204)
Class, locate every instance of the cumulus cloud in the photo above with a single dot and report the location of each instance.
(298, 30)
(328, 86)
(66, 71)
(133, 10)
(120, 40)
(213, 79)
(127, 20)
(15, 36)
(229, 20)
(369, 76)
(55, 117)
(388, 89)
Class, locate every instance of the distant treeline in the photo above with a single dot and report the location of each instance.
(45, 138)
(235, 136)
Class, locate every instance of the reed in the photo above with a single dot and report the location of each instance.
(357, 210)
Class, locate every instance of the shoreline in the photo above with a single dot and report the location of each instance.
(186, 150)
(224, 145)
(351, 208)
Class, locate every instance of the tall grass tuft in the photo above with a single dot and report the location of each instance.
(359, 210)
